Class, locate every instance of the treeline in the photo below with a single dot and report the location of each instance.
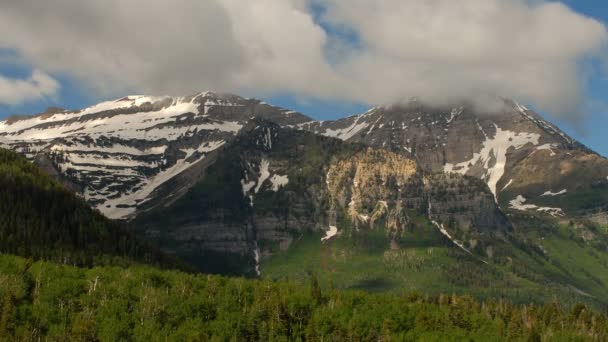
(45, 301)
(41, 219)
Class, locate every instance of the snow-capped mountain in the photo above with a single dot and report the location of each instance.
(118, 153)
(138, 151)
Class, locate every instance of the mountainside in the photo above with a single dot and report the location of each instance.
(118, 153)
(406, 197)
(528, 163)
(271, 185)
(122, 155)
(40, 218)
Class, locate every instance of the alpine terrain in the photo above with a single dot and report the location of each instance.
(409, 196)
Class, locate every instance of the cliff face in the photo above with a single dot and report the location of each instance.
(366, 179)
(381, 188)
(272, 185)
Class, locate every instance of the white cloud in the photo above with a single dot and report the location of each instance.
(16, 91)
(444, 48)
(436, 49)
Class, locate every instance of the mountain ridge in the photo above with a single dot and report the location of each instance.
(142, 142)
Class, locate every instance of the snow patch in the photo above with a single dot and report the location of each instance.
(548, 147)
(506, 186)
(456, 242)
(264, 174)
(256, 255)
(552, 129)
(333, 231)
(247, 186)
(141, 195)
(550, 193)
(494, 149)
(129, 202)
(203, 148)
(115, 149)
(278, 181)
(455, 113)
(348, 132)
(519, 203)
(266, 141)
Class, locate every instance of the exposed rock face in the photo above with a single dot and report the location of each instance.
(464, 206)
(367, 184)
(380, 186)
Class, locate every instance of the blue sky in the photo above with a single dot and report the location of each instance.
(74, 94)
(594, 129)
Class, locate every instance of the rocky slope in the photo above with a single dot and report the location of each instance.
(118, 153)
(272, 185)
(528, 163)
(130, 155)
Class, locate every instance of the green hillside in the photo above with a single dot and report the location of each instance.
(41, 219)
(569, 270)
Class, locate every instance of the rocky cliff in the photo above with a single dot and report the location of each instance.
(271, 185)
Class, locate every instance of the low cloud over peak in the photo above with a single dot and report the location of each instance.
(395, 49)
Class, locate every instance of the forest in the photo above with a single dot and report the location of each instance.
(47, 301)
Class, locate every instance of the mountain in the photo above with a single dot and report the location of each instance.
(401, 197)
(528, 163)
(118, 153)
(265, 190)
(40, 218)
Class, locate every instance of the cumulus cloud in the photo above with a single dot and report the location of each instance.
(439, 50)
(117, 46)
(16, 91)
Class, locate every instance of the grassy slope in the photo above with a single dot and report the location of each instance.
(562, 255)
(427, 262)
